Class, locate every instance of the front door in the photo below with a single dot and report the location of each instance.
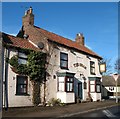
(80, 90)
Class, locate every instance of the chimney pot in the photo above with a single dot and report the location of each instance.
(28, 19)
(30, 10)
(80, 39)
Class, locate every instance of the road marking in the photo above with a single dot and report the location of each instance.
(108, 113)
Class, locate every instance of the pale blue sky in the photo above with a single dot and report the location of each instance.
(97, 21)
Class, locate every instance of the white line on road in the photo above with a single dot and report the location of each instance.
(108, 113)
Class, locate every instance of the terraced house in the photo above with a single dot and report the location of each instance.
(72, 69)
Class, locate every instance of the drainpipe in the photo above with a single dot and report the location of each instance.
(44, 103)
(6, 82)
(1, 81)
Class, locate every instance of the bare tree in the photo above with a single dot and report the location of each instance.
(117, 66)
(108, 66)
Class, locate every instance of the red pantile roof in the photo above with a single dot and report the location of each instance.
(67, 42)
(18, 42)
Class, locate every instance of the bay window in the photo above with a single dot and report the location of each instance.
(95, 86)
(65, 84)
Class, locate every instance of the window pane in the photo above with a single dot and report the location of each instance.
(68, 79)
(61, 80)
(61, 87)
(92, 82)
(63, 64)
(68, 87)
(63, 56)
(21, 79)
(22, 61)
(98, 88)
(23, 55)
(92, 88)
(71, 79)
(71, 86)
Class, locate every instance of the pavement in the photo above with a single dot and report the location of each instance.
(58, 111)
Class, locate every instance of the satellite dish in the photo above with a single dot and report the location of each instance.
(41, 45)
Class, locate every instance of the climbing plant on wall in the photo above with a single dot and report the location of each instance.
(35, 69)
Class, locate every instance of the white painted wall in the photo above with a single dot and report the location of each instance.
(96, 96)
(51, 84)
(78, 58)
(66, 97)
(13, 99)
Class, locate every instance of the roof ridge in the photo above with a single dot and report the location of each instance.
(54, 33)
(69, 40)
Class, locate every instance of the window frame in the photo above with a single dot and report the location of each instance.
(69, 82)
(22, 58)
(92, 67)
(96, 83)
(62, 59)
(92, 85)
(17, 85)
(65, 84)
(59, 85)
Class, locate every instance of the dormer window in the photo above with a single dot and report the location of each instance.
(63, 60)
(22, 58)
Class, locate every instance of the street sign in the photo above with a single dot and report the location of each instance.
(115, 76)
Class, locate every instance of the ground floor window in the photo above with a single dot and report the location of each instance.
(61, 84)
(65, 84)
(95, 86)
(92, 86)
(69, 84)
(21, 85)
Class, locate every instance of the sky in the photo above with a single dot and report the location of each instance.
(98, 21)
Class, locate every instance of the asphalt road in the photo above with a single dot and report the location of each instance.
(104, 113)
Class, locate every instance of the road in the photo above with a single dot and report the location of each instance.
(104, 113)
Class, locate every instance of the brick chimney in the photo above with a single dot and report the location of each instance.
(28, 18)
(80, 38)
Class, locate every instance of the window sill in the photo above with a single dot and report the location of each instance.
(95, 92)
(69, 91)
(92, 73)
(22, 94)
(64, 68)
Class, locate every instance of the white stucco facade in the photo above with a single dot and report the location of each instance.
(81, 75)
(12, 99)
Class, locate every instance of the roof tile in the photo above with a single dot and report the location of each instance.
(67, 42)
(18, 42)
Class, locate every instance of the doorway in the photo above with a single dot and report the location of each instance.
(80, 90)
